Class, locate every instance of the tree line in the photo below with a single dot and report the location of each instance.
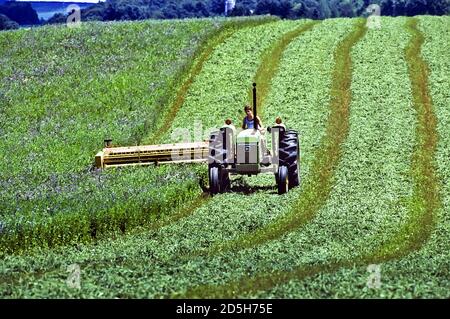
(292, 9)
(13, 14)
(112, 10)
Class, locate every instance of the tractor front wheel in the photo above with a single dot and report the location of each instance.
(214, 180)
(283, 180)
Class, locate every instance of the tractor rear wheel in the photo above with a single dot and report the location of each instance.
(290, 155)
(283, 180)
(214, 180)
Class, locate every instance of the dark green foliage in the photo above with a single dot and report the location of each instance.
(276, 7)
(315, 9)
(22, 13)
(7, 24)
(239, 11)
(113, 10)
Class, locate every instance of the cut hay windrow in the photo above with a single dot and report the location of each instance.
(270, 64)
(426, 199)
(413, 234)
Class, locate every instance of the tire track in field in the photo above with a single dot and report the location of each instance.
(314, 194)
(426, 199)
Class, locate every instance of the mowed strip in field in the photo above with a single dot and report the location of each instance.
(423, 273)
(316, 189)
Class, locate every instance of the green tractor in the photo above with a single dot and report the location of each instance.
(245, 153)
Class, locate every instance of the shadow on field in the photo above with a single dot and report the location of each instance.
(240, 186)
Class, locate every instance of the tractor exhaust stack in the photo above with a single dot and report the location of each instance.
(255, 120)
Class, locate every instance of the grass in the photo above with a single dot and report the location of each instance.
(377, 209)
(426, 198)
(60, 86)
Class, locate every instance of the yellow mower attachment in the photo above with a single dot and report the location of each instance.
(152, 154)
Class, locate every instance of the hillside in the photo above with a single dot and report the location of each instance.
(371, 106)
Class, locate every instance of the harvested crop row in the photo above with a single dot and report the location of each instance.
(425, 200)
(270, 64)
(371, 146)
(315, 190)
(312, 53)
(411, 233)
(423, 273)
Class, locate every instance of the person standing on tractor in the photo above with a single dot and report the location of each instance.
(249, 121)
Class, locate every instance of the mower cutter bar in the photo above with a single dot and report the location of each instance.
(152, 154)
